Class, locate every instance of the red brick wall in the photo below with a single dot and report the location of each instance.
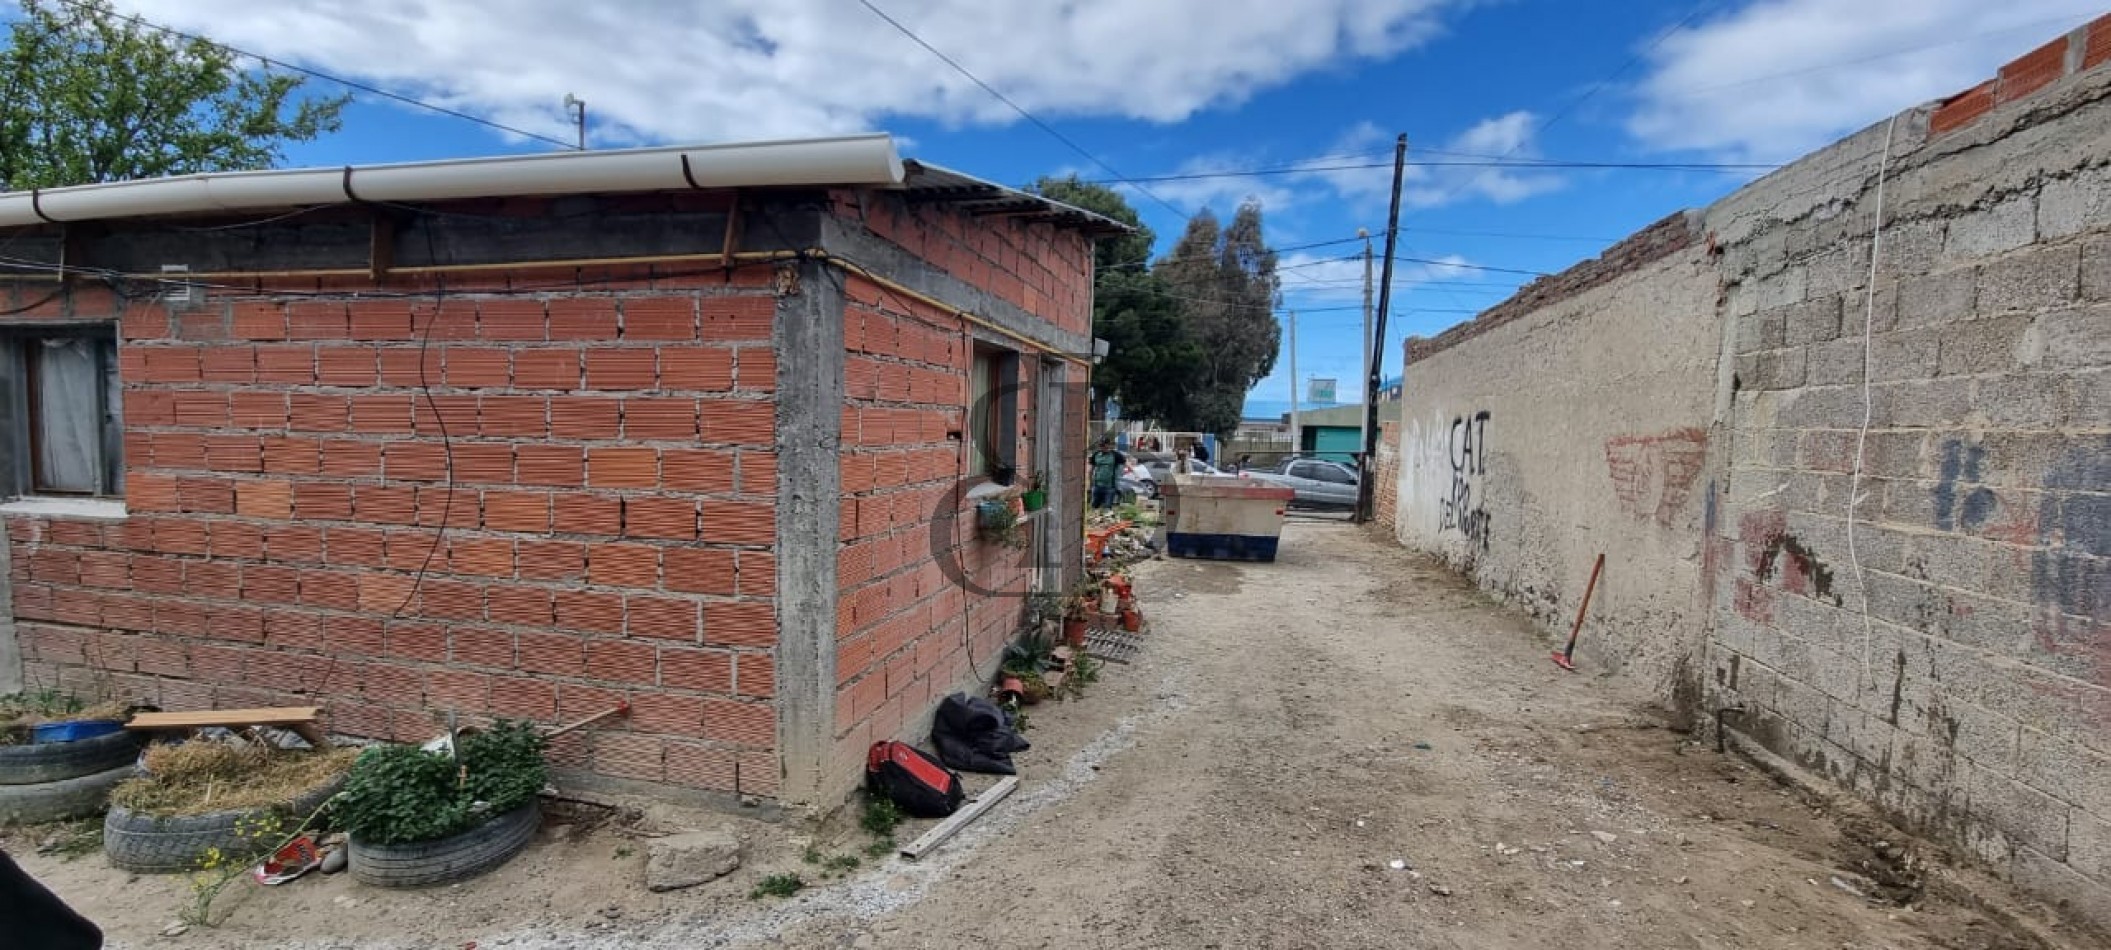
(2085, 47)
(924, 603)
(609, 536)
(1385, 472)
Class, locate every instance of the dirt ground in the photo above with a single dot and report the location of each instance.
(1347, 748)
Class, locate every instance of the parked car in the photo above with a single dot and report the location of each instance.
(1161, 469)
(1137, 480)
(1318, 483)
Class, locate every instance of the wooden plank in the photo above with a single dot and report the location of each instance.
(269, 716)
(959, 819)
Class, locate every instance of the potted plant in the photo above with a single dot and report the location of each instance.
(419, 818)
(996, 520)
(1075, 620)
(1035, 497)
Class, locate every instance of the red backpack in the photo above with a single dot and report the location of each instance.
(913, 780)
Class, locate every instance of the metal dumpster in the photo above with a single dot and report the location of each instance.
(1223, 517)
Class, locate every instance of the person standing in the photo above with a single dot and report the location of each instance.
(1106, 465)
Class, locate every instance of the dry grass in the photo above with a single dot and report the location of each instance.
(202, 776)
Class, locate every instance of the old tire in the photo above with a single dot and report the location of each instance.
(450, 859)
(43, 762)
(150, 845)
(66, 798)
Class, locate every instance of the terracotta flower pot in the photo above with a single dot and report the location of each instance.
(1074, 631)
(1131, 620)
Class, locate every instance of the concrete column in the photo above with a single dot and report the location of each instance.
(809, 342)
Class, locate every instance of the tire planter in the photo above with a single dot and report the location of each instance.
(65, 798)
(446, 860)
(150, 845)
(43, 762)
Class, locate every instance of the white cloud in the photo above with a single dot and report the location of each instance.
(660, 70)
(1356, 173)
(1778, 78)
(1507, 137)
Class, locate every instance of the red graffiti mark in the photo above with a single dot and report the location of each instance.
(1755, 602)
(1715, 552)
(1795, 573)
(1653, 474)
(1761, 532)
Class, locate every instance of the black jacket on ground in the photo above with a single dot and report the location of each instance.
(34, 918)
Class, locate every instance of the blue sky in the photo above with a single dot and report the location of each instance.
(1170, 87)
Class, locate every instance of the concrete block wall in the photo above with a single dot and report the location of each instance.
(1954, 663)
(601, 455)
(1579, 425)
(1916, 608)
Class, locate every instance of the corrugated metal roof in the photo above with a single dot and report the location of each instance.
(932, 184)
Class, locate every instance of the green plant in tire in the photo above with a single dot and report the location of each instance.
(399, 794)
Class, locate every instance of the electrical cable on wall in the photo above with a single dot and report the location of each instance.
(1861, 438)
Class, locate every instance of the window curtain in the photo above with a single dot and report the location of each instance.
(69, 447)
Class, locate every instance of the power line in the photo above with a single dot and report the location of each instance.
(84, 5)
(1508, 163)
(1015, 107)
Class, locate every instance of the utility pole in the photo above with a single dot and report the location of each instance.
(1362, 422)
(576, 107)
(1296, 439)
(1385, 300)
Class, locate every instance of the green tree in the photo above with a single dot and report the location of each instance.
(1224, 282)
(1151, 359)
(88, 95)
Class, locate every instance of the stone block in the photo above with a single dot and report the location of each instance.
(1780, 290)
(2072, 339)
(1985, 737)
(1760, 331)
(2096, 269)
(1984, 232)
(2064, 770)
(1833, 362)
(1777, 369)
(1835, 407)
(2021, 402)
(2034, 279)
(2089, 845)
(2077, 894)
(1905, 354)
(1860, 310)
(2027, 817)
(1936, 299)
(1921, 404)
(1907, 502)
(1895, 454)
(2086, 399)
(1843, 266)
(2075, 203)
(689, 859)
(2019, 459)
(1912, 248)
(1989, 345)
(1812, 321)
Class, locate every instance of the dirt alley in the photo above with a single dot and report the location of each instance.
(1348, 748)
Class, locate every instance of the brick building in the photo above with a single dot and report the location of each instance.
(690, 428)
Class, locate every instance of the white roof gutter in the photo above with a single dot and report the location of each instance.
(866, 160)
